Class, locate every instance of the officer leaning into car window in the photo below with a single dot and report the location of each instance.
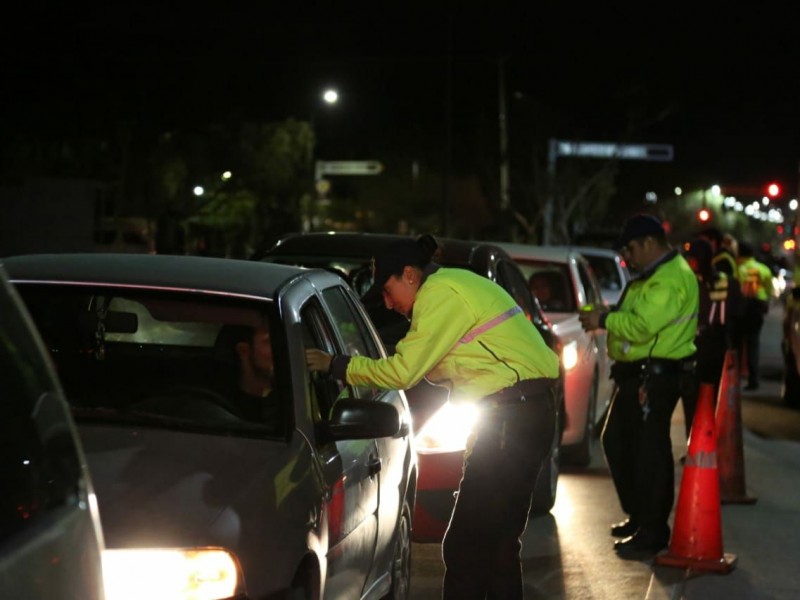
(651, 336)
(468, 334)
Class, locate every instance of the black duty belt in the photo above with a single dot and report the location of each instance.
(652, 366)
(522, 391)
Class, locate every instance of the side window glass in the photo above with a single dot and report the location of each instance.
(606, 272)
(592, 293)
(317, 333)
(38, 457)
(353, 329)
(551, 284)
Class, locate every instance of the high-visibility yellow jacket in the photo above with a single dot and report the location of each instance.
(756, 279)
(449, 304)
(724, 262)
(657, 316)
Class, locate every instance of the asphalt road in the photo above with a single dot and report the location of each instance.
(763, 412)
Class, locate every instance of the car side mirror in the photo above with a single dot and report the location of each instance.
(353, 419)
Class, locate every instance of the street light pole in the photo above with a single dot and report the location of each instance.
(501, 101)
(330, 96)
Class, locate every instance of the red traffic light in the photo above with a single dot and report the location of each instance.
(704, 215)
(773, 190)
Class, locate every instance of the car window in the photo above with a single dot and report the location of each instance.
(590, 288)
(39, 460)
(607, 272)
(166, 359)
(357, 338)
(551, 283)
(318, 333)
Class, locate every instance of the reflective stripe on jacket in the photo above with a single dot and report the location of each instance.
(657, 316)
(449, 304)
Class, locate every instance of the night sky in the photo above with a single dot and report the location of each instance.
(722, 90)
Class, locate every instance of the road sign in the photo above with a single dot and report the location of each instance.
(658, 152)
(347, 167)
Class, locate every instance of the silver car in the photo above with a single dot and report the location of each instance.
(564, 283)
(50, 536)
(611, 270)
(208, 487)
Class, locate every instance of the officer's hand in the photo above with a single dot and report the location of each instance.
(590, 319)
(317, 360)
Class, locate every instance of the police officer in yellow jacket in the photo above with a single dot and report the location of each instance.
(756, 281)
(651, 339)
(468, 334)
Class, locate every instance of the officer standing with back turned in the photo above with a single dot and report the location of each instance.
(651, 339)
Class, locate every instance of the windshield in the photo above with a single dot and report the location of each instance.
(169, 360)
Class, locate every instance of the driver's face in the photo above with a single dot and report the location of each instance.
(261, 352)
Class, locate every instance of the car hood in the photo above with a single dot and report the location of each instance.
(566, 325)
(161, 488)
(561, 319)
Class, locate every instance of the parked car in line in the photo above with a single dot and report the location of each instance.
(441, 428)
(790, 346)
(51, 540)
(310, 496)
(611, 270)
(564, 282)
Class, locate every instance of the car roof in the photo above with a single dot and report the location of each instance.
(549, 253)
(361, 245)
(196, 273)
(595, 250)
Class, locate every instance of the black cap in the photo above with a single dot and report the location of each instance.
(637, 227)
(392, 261)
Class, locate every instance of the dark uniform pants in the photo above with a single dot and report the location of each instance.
(638, 450)
(481, 548)
(752, 322)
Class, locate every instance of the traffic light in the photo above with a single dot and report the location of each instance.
(704, 215)
(773, 190)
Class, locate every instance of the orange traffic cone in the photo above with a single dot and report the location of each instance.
(730, 448)
(696, 542)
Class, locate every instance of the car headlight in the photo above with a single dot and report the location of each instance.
(569, 355)
(174, 573)
(448, 428)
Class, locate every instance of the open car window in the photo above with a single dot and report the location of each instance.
(165, 359)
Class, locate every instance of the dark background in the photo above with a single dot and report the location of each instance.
(722, 88)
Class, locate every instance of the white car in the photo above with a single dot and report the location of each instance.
(564, 283)
(207, 488)
(611, 270)
(51, 541)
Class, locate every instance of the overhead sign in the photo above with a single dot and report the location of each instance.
(347, 167)
(658, 152)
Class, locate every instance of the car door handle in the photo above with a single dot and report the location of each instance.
(374, 466)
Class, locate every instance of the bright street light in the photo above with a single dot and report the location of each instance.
(330, 96)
